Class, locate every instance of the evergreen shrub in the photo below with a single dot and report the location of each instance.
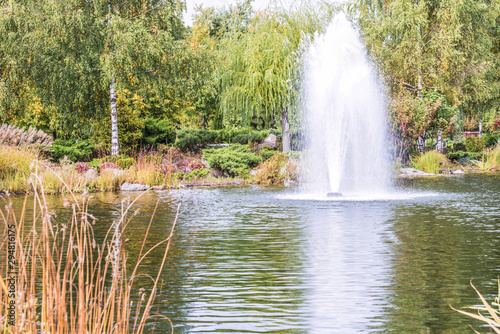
(474, 144)
(75, 150)
(158, 132)
(194, 140)
(233, 160)
(490, 139)
(462, 157)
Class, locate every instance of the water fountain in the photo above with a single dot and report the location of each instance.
(344, 116)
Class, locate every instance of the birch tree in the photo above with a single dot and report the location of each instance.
(76, 54)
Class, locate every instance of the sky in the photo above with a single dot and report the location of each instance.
(257, 4)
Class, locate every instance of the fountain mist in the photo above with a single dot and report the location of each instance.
(344, 114)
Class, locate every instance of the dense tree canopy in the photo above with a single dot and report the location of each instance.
(62, 62)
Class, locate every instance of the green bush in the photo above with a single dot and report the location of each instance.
(458, 147)
(241, 136)
(123, 161)
(250, 137)
(194, 140)
(202, 172)
(474, 144)
(158, 132)
(75, 150)
(462, 157)
(266, 153)
(490, 139)
(233, 160)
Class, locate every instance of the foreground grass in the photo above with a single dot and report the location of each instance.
(55, 278)
(492, 317)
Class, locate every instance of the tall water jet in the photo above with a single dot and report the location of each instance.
(344, 116)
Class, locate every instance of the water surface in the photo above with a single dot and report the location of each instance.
(255, 260)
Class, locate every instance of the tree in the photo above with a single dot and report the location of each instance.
(74, 55)
(260, 79)
(428, 45)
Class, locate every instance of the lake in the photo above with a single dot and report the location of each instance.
(253, 260)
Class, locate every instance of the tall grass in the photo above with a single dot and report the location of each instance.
(65, 282)
(491, 160)
(430, 162)
(16, 165)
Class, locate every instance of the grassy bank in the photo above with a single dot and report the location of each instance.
(172, 169)
(55, 277)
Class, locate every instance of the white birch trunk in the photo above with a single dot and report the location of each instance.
(114, 119)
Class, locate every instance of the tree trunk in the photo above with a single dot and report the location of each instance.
(114, 119)
(285, 131)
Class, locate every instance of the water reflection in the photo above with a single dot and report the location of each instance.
(348, 271)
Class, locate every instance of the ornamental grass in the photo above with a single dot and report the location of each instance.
(430, 162)
(56, 278)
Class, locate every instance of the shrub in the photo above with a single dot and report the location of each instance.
(197, 164)
(458, 147)
(82, 167)
(462, 157)
(474, 144)
(266, 153)
(250, 137)
(273, 171)
(430, 162)
(123, 161)
(233, 160)
(490, 139)
(194, 140)
(75, 150)
(197, 173)
(158, 132)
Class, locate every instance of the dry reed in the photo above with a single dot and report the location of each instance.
(64, 282)
(493, 318)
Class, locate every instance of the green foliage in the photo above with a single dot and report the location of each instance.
(194, 140)
(474, 144)
(233, 160)
(75, 150)
(130, 128)
(430, 162)
(490, 139)
(422, 44)
(261, 65)
(122, 161)
(250, 137)
(158, 132)
(266, 153)
(197, 173)
(458, 146)
(462, 156)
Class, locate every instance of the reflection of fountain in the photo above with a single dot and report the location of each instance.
(344, 110)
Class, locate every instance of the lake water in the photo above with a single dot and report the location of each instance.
(255, 260)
